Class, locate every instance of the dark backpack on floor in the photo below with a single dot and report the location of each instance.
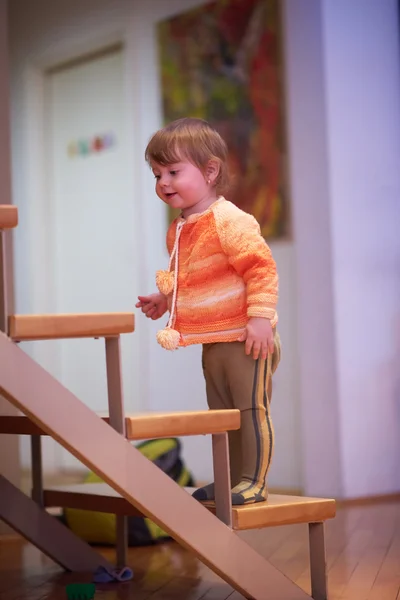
(99, 528)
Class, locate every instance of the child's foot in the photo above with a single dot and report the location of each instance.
(248, 493)
(205, 493)
(243, 493)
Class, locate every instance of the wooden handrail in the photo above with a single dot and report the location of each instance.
(150, 425)
(8, 216)
(24, 328)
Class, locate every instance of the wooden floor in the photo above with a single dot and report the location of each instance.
(363, 553)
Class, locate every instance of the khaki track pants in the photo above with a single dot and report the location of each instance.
(235, 380)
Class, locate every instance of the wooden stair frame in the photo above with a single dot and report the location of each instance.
(26, 517)
(208, 532)
(114, 459)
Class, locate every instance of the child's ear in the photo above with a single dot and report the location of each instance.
(212, 170)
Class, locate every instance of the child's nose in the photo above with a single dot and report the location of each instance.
(164, 180)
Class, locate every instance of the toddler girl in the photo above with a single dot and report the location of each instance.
(221, 291)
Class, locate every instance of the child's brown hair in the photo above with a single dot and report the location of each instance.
(194, 140)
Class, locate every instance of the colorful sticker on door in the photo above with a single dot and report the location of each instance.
(94, 145)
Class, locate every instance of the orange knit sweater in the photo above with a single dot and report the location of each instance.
(226, 274)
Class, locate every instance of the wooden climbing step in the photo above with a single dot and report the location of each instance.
(8, 216)
(281, 510)
(25, 328)
(278, 510)
(148, 425)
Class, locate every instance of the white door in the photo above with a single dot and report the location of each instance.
(92, 217)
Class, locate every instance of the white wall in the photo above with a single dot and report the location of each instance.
(362, 74)
(335, 406)
(343, 68)
(309, 180)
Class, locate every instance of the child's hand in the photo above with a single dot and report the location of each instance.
(259, 337)
(153, 306)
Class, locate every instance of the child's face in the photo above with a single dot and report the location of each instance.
(182, 185)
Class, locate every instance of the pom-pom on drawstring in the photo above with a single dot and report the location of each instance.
(168, 338)
(165, 282)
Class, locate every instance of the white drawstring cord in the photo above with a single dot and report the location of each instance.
(175, 254)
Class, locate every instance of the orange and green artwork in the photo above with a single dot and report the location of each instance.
(223, 62)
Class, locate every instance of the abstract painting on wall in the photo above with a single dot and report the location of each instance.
(223, 62)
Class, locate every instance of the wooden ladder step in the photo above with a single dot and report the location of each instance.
(175, 424)
(278, 510)
(148, 425)
(8, 216)
(281, 510)
(25, 328)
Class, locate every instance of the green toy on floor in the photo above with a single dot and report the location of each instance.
(80, 591)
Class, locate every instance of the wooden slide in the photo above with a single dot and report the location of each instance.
(57, 412)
